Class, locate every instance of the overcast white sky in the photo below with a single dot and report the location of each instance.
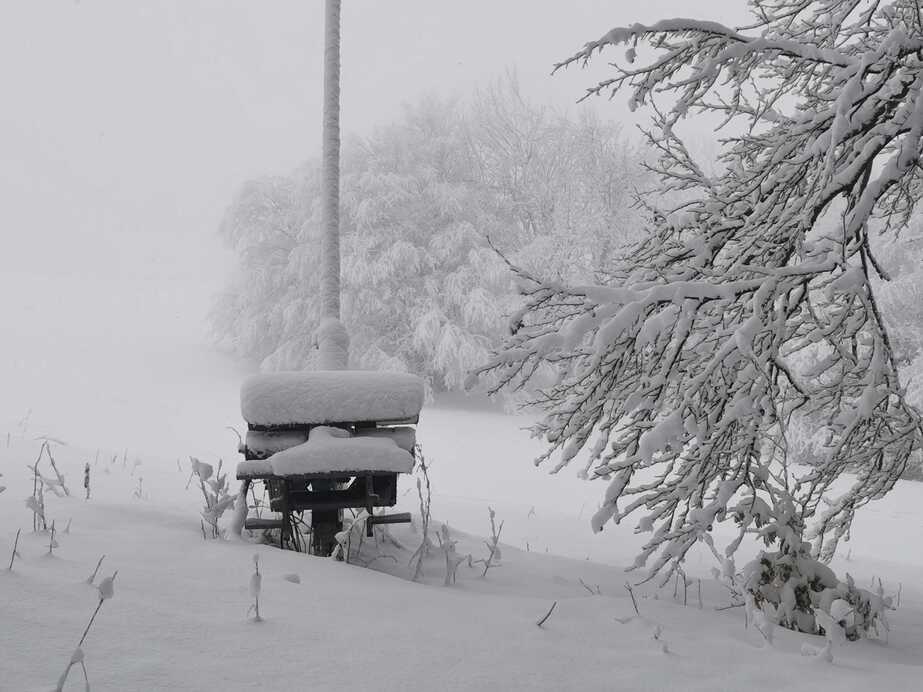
(127, 125)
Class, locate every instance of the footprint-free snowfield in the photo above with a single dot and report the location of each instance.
(179, 616)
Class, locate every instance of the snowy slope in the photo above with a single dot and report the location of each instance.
(179, 617)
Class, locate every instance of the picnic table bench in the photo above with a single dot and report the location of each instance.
(326, 441)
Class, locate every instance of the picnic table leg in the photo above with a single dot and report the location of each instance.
(286, 518)
(325, 523)
(371, 499)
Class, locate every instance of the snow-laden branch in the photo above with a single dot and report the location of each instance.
(749, 304)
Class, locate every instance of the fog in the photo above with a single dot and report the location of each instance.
(125, 129)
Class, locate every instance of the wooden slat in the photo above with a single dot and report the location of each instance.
(335, 424)
(399, 518)
(372, 521)
(258, 524)
(308, 477)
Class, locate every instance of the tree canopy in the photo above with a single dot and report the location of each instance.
(749, 303)
(422, 201)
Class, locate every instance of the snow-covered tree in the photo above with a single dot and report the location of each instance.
(422, 201)
(567, 185)
(270, 307)
(750, 302)
(425, 292)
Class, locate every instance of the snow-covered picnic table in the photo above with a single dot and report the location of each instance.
(286, 399)
(326, 441)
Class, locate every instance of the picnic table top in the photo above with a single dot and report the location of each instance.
(292, 399)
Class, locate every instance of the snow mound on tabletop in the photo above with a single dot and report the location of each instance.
(268, 442)
(334, 396)
(330, 450)
(265, 443)
(404, 436)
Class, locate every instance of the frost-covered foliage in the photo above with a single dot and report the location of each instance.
(422, 290)
(751, 303)
(902, 308)
(900, 298)
(796, 588)
(214, 487)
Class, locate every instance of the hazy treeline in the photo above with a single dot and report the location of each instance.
(423, 200)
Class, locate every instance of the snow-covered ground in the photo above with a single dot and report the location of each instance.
(179, 619)
(122, 364)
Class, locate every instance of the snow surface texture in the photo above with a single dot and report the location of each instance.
(181, 602)
(268, 442)
(317, 398)
(333, 449)
(404, 436)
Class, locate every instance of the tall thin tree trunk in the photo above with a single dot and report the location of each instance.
(332, 340)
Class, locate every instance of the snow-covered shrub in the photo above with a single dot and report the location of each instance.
(860, 612)
(792, 584)
(792, 589)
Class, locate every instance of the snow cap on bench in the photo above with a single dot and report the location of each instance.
(265, 443)
(331, 450)
(334, 396)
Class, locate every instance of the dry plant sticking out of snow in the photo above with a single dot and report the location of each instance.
(493, 545)
(36, 501)
(256, 584)
(214, 488)
(92, 577)
(452, 558)
(106, 591)
(425, 501)
(14, 554)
